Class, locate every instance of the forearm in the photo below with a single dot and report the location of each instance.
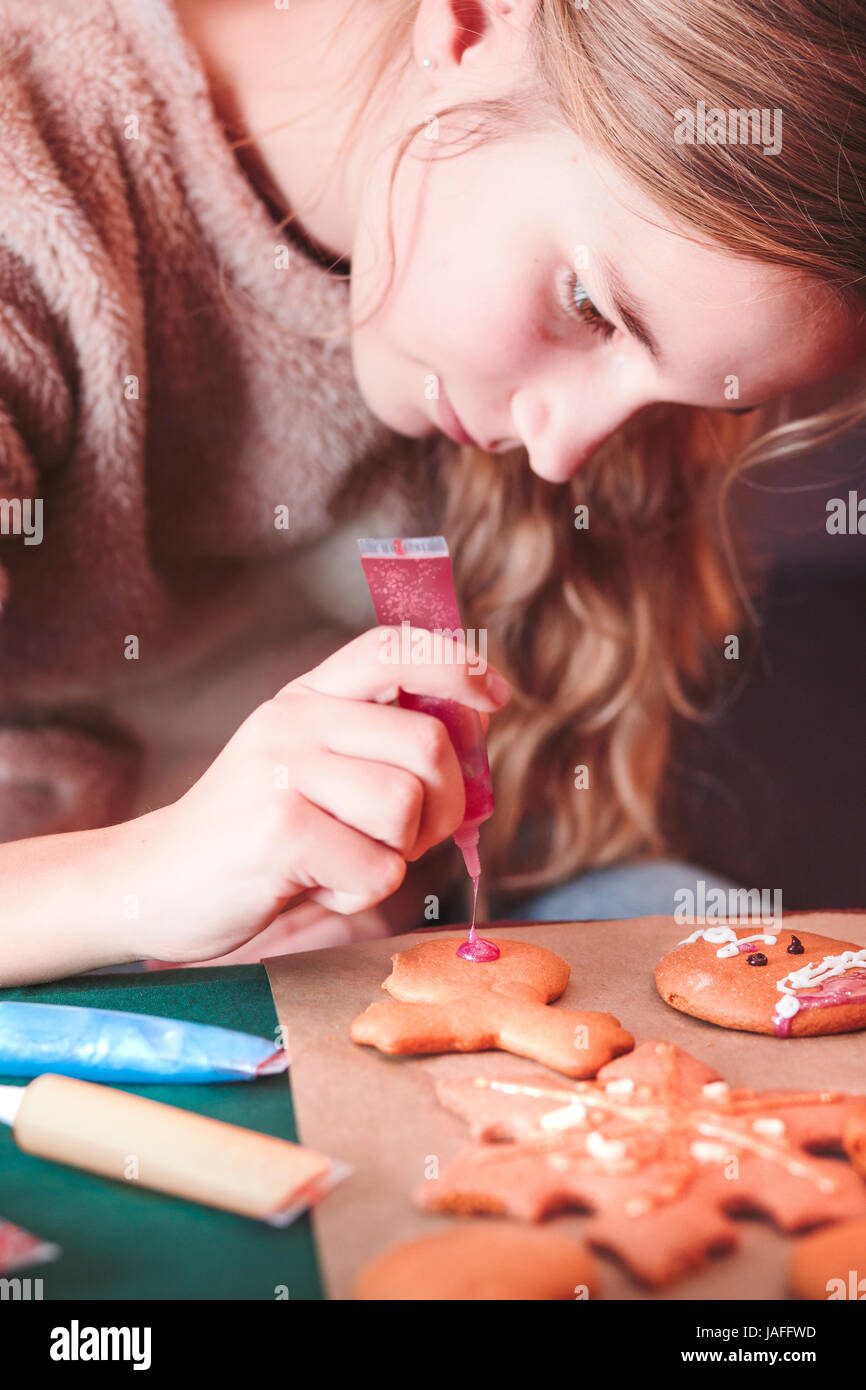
(70, 902)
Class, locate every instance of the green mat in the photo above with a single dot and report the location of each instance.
(120, 1241)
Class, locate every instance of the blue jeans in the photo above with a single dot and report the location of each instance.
(628, 889)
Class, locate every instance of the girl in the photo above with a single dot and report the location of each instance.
(272, 273)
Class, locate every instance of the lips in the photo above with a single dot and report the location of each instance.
(450, 421)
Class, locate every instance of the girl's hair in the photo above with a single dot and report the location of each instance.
(609, 632)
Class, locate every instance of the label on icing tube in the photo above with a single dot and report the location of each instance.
(407, 545)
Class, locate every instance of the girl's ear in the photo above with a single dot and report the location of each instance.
(493, 31)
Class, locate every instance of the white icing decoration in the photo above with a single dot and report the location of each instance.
(808, 976)
(723, 1134)
(622, 1086)
(714, 935)
(706, 1152)
(770, 1126)
(637, 1206)
(511, 1088)
(564, 1119)
(715, 1090)
(599, 1147)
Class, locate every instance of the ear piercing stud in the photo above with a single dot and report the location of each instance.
(428, 62)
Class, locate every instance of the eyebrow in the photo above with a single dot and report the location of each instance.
(629, 309)
(631, 312)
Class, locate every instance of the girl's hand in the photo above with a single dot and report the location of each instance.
(307, 927)
(325, 792)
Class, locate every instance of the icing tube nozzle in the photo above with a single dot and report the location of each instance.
(466, 840)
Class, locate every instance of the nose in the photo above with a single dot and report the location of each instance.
(561, 429)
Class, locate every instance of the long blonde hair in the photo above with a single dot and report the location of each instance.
(608, 633)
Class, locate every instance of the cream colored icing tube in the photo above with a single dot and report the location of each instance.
(134, 1140)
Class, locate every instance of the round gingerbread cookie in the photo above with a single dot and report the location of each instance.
(432, 972)
(486, 1260)
(767, 979)
(831, 1263)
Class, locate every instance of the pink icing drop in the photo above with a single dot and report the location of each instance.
(476, 948)
(849, 988)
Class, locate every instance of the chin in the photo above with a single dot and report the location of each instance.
(403, 419)
(401, 416)
(405, 422)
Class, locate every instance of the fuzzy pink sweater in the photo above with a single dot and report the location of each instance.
(156, 413)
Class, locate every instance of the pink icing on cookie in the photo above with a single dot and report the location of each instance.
(849, 988)
(475, 947)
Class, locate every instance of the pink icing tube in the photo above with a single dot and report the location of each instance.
(411, 584)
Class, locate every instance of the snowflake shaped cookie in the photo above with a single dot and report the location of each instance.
(659, 1147)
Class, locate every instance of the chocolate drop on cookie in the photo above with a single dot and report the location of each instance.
(796, 947)
(756, 958)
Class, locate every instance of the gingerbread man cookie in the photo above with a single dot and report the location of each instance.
(443, 1003)
(767, 979)
(481, 1260)
(658, 1146)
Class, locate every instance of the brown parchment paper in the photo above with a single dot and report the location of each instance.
(380, 1113)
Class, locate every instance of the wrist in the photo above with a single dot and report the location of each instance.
(136, 872)
(61, 911)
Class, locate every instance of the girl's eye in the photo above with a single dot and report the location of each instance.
(576, 302)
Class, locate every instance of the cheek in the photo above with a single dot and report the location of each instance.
(468, 295)
(466, 309)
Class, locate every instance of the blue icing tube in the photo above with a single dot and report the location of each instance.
(106, 1045)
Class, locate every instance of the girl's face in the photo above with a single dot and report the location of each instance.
(545, 301)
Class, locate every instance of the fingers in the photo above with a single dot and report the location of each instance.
(335, 930)
(312, 928)
(399, 744)
(386, 777)
(382, 801)
(374, 667)
(359, 871)
(419, 744)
